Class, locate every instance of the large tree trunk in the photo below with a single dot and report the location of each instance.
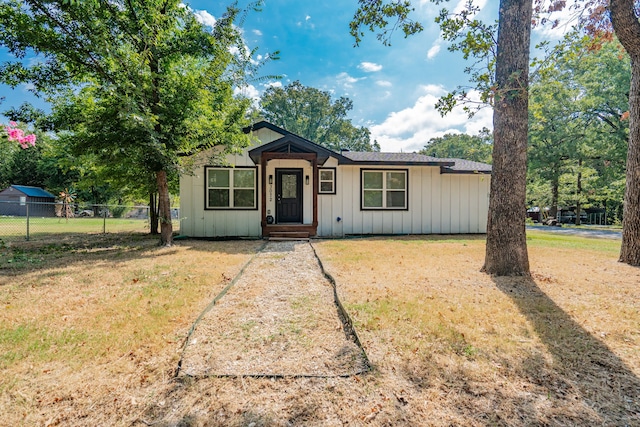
(506, 253)
(164, 210)
(627, 28)
(579, 192)
(553, 211)
(630, 250)
(153, 213)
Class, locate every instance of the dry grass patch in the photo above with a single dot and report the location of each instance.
(92, 336)
(558, 349)
(98, 325)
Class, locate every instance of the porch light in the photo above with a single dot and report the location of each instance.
(306, 179)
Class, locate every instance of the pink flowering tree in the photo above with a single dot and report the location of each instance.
(14, 133)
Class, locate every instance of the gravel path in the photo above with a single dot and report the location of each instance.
(279, 319)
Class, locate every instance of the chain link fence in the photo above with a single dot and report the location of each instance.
(24, 220)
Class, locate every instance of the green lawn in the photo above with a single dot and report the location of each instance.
(16, 227)
(550, 240)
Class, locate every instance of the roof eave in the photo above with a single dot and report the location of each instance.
(394, 163)
(464, 172)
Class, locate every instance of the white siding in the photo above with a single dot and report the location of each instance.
(438, 203)
(196, 221)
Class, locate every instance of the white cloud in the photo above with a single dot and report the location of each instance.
(205, 18)
(257, 32)
(273, 84)
(369, 67)
(306, 23)
(248, 91)
(384, 83)
(346, 80)
(245, 53)
(410, 129)
(435, 49)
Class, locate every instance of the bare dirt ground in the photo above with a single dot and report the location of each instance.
(92, 335)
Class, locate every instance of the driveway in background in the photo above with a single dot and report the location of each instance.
(583, 232)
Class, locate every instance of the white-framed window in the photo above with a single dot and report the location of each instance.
(327, 181)
(384, 189)
(231, 188)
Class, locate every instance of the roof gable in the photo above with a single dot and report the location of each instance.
(264, 124)
(291, 143)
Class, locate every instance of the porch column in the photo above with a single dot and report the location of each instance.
(263, 191)
(315, 190)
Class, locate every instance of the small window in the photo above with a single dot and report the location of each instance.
(384, 189)
(327, 181)
(231, 188)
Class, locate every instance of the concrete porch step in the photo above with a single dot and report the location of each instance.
(289, 235)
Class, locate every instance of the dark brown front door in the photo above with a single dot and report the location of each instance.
(289, 195)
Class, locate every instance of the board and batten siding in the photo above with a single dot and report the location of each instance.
(438, 204)
(196, 221)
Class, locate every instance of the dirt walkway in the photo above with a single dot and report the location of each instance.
(278, 319)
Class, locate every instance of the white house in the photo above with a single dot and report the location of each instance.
(285, 185)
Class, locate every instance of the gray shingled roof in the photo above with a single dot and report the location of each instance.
(465, 166)
(377, 157)
(447, 165)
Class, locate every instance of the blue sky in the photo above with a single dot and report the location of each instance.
(393, 89)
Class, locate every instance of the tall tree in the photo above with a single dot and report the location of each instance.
(136, 83)
(577, 97)
(506, 253)
(312, 114)
(627, 28)
(462, 146)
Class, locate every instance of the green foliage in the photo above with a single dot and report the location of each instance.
(137, 85)
(39, 166)
(374, 15)
(311, 114)
(476, 40)
(461, 146)
(578, 97)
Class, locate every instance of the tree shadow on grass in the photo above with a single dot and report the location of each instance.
(583, 367)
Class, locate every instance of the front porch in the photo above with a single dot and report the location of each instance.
(289, 186)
